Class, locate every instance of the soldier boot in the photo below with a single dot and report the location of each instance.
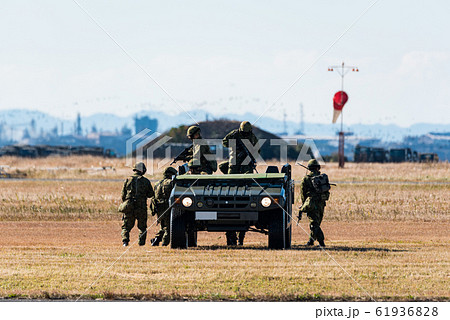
(241, 238)
(155, 242)
(231, 238)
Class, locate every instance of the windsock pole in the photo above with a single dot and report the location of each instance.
(342, 70)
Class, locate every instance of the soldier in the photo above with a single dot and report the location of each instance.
(195, 168)
(160, 206)
(238, 154)
(313, 203)
(238, 150)
(198, 150)
(136, 189)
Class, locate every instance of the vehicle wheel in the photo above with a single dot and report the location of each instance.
(277, 230)
(178, 238)
(192, 238)
(288, 236)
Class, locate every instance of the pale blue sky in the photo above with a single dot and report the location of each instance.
(54, 59)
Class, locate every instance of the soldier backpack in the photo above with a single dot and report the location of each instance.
(321, 183)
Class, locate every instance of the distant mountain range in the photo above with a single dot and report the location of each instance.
(15, 121)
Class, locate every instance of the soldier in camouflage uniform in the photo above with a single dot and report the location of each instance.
(237, 152)
(160, 207)
(137, 189)
(198, 150)
(195, 168)
(313, 204)
(235, 163)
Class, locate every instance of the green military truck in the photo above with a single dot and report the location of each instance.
(259, 202)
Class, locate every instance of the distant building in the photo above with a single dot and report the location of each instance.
(145, 122)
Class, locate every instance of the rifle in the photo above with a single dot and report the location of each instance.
(182, 155)
(247, 153)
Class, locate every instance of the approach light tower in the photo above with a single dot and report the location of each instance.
(342, 70)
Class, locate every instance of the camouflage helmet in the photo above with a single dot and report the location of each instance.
(313, 164)
(140, 167)
(170, 171)
(245, 126)
(192, 131)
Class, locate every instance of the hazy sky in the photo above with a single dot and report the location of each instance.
(228, 56)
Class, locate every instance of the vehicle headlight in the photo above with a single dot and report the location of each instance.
(265, 202)
(187, 201)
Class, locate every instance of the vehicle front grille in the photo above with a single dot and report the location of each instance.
(230, 202)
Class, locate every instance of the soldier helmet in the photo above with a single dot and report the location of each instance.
(245, 126)
(313, 164)
(169, 171)
(140, 167)
(192, 131)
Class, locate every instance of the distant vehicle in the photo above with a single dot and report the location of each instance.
(234, 202)
(379, 155)
(362, 154)
(402, 155)
(370, 154)
(428, 157)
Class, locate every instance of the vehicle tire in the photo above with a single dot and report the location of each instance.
(288, 236)
(277, 230)
(178, 237)
(192, 238)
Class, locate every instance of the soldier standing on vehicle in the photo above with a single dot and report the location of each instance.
(235, 140)
(136, 189)
(160, 206)
(314, 197)
(238, 154)
(198, 150)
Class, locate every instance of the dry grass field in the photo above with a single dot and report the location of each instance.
(386, 227)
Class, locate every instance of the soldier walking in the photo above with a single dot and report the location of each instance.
(313, 203)
(238, 154)
(160, 206)
(136, 189)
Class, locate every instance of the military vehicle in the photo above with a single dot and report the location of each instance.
(370, 154)
(402, 155)
(428, 157)
(260, 202)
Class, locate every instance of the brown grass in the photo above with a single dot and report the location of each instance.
(98, 200)
(64, 259)
(392, 237)
(85, 167)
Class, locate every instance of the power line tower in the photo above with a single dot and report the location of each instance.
(301, 125)
(78, 130)
(342, 70)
